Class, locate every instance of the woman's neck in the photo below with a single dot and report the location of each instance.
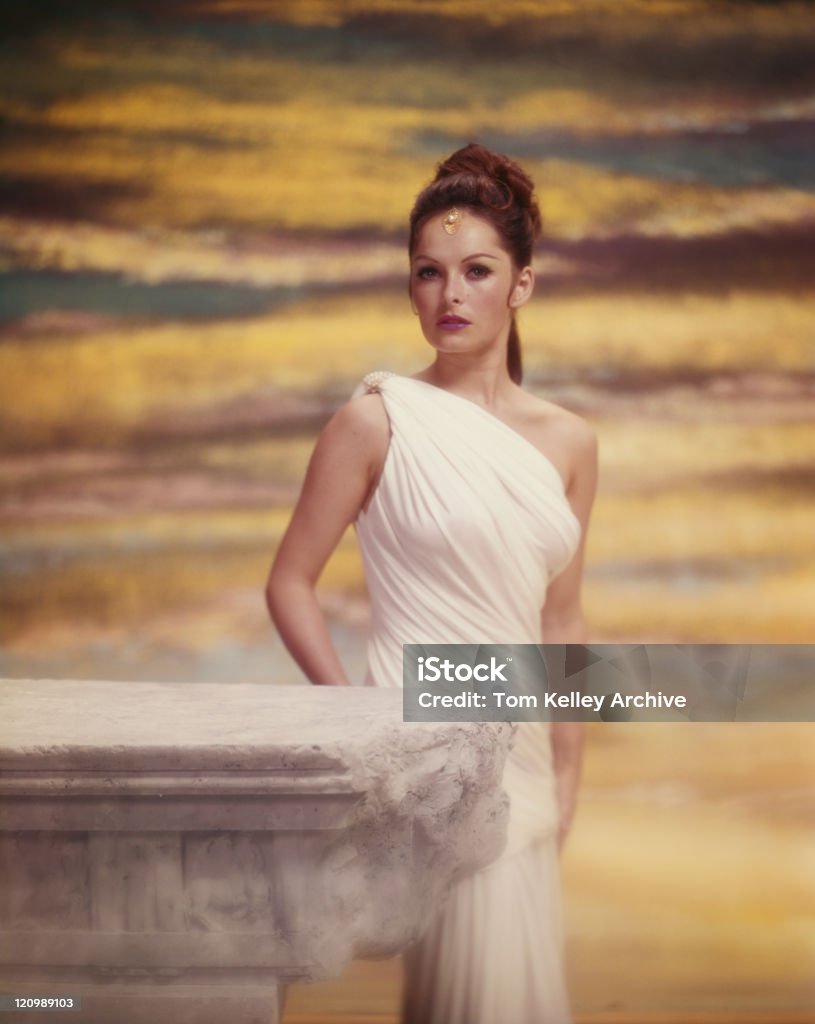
(484, 384)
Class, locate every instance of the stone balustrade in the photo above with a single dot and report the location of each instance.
(182, 852)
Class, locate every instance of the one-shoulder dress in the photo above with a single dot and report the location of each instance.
(468, 524)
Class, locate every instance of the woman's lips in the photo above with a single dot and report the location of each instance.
(453, 323)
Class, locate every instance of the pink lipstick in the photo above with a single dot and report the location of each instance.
(452, 323)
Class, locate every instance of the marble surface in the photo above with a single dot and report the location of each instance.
(186, 835)
(71, 723)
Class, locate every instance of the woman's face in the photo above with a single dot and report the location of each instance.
(465, 286)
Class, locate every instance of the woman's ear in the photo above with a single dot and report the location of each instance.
(522, 289)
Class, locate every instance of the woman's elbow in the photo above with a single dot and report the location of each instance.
(283, 588)
(277, 588)
(564, 627)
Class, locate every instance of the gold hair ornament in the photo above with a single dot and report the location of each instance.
(452, 221)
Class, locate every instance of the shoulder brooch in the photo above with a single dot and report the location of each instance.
(374, 380)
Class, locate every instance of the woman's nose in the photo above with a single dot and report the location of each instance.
(452, 291)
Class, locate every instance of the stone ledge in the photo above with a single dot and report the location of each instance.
(137, 727)
(160, 841)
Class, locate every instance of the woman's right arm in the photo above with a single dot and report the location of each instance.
(341, 475)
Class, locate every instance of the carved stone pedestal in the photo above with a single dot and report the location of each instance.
(181, 852)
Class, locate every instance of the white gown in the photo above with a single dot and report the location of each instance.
(467, 526)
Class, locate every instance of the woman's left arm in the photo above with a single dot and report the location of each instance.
(562, 616)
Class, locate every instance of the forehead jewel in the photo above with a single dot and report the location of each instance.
(451, 221)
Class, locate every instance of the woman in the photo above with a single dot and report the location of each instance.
(471, 500)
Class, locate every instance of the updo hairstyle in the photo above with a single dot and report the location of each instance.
(497, 189)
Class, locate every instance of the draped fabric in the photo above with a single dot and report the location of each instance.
(465, 530)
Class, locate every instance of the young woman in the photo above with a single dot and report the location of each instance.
(471, 500)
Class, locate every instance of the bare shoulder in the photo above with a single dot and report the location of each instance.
(569, 440)
(558, 422)
(365, 412)
(361, 423)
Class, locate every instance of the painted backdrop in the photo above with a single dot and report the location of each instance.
(202, 228)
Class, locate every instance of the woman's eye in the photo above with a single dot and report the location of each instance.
(478, 271)
(425, 273)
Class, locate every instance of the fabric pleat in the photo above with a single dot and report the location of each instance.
(493, 954)
(468, 525)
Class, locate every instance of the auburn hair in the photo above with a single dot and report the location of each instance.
(497, 189)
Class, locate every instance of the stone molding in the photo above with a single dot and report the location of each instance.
(198, 847)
